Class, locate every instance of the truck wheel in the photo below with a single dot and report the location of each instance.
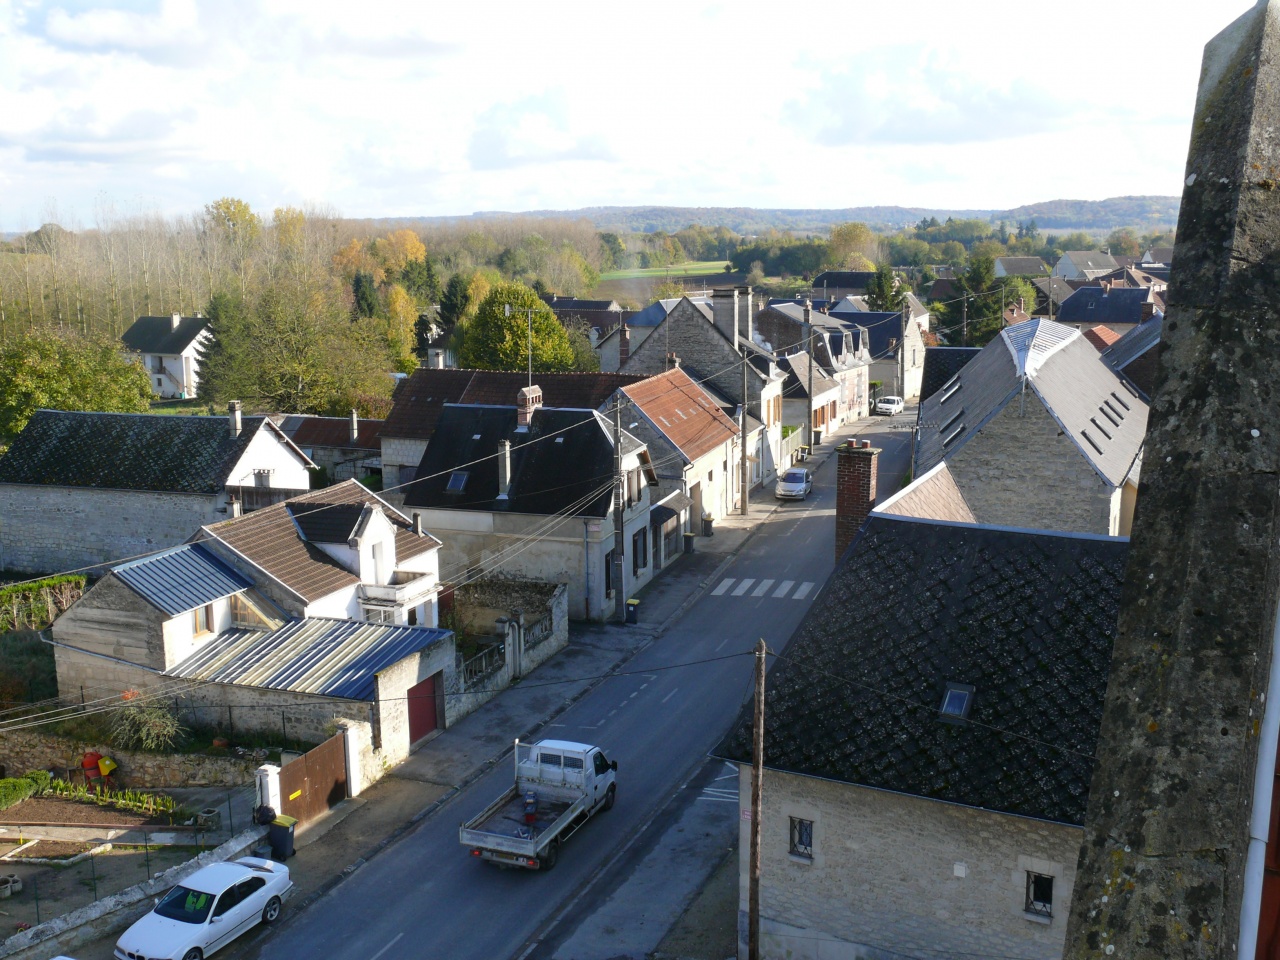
(610, 796)
(549, 858)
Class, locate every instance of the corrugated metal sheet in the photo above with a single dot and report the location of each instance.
(181, 579)
(332, 658)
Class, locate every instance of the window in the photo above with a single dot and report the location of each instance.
(203, 617)
(602, 765)
(457, 482)
(228, 900)
(413, 616)
(247, 888)
(801, 838)
(157, 364)
(639, 550)
(1039, 895)
(379, 615)
(956, 702)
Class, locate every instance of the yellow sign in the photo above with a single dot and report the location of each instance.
(295, 795)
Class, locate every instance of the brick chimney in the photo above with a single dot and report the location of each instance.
(528, 400)
(354, 431)
(624, 345)
(1148, 311)
(855, 489)
(724, 312)
(233, 417)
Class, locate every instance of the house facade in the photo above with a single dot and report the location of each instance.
(83, 489)
(170, 352)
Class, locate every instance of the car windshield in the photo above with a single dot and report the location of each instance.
(189, 906)
(794, 476)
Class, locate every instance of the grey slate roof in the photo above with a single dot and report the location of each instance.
(1027, 618)
(326, 523)
(1022, 266)
(1091, 260)
(940, 365)
(1119, 305)
(1102, 415)
(333, 658)
(1135, 343)
(158, 334)
(797, 382)
(127, 451)
(181, 579)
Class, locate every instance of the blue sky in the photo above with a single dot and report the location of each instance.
(385, 109)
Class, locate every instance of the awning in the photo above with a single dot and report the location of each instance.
(668, 508)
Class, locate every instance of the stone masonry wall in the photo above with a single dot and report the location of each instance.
(400, 459)
(895, 875)
(47, 529)
(1023, 471)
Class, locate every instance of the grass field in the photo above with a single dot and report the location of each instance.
(694, 268)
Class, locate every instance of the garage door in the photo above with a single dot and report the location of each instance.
(425, 707)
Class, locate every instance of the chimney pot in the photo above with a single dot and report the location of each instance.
(624, 345)
(527, 401)
(435, 358)
(233, 418)
(233, 508)
(673, 362)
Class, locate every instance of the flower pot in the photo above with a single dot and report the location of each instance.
(15, 882)
(4, 888)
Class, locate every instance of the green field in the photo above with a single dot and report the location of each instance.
(694, 268)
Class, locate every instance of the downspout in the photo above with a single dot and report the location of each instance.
(1260, 821)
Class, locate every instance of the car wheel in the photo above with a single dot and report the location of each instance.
(549, 858)
(195, 953)
(611, 796)
(271, 912)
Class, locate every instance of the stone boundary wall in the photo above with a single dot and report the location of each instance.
(114, 913)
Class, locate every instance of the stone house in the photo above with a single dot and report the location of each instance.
(715, 353)
(82, 489)
(809, 392)
(1084, 264)
(529, 490)
(170, 349)
(616, 346)
(928, 745)
(1037, 431)
(896, 346)
(345, 448)
(839, 344)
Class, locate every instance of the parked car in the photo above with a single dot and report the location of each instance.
(795, 484)
(888, 406)
(208, 910)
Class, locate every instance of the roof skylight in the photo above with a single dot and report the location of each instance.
(956, 702)
(457, 481)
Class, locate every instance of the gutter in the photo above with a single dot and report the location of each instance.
(1264, 773)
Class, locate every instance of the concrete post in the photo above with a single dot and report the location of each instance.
(1180, 800)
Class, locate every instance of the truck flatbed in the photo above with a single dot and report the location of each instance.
(508, 821)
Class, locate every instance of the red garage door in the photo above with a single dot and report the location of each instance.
(425, 707)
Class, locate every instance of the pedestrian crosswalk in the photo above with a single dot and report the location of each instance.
(752, 587)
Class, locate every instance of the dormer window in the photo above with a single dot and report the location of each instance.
(202, 619)
(457, 482)
(956, 702)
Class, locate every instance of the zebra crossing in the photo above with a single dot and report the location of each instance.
(759, 588)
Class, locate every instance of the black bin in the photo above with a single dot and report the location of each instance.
(632, 610)
(280, 836)
(688, 542)
(707, 530)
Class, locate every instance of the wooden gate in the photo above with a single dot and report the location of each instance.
(424, 707)
(316, 781)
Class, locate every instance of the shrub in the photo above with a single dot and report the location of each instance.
(149, 726)
(14, 790)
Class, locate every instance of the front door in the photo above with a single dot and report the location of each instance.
(423, 708)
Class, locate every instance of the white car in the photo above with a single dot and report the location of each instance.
(888, 406)
(208, 910)
(795, 484)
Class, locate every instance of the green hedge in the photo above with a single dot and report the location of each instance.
(16, 789)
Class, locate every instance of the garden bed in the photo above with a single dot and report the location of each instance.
(51, 850)
(55, 811)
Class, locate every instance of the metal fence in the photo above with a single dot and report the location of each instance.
(485, 663)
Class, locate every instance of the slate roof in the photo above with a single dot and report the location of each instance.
(563, 462)
(333, 658)
(181, 579)
(797, 382)
(128, 451)
(1162, 255)
(685, 414)
(1093, 305)
(881, 328)
(1135, 343)
(656, 312)
(1130, 277)
(1091, 260)
(1023, 266)
(575, 303)
(843, 279)
(274, 539)
(420, 399)
(1027, 618)
(944, 288)
(1059, 287)
(331, 432)
(1101, 414)
(940, 365)
(158, 334)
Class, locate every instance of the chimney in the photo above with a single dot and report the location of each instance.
(748, 319)
(1148, 311)
(528, 400)
(355, 428)
(724, 312)
(177, 319)
(1022, 305)
(435, 358)
(855, 489)
(504, 469)
(233, 417)
(233, 507)
(624, 345)
(673, 362)
(417, 524)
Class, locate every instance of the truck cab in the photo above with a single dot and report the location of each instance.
(563, 763)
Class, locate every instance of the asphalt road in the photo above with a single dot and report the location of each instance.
(425, 897)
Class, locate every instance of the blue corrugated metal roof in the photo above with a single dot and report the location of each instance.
(332, 658)
(181, 579)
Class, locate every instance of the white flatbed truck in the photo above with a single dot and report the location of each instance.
(558, 785)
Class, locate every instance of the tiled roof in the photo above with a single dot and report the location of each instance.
(683, 412)
(934, 496)
(1022, 266)
(1099, 305)
(331, 432)
(563, 462)
(332, 658)
(159, 335)
(273, 539)
(1101, 337)
(944, 288)
(1027, 618)
(1091, 260)
(1061, 289)
(940, 365)
(127, 451)
(420, 399)
(181, 579)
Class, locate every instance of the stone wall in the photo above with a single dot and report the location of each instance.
(44, 529)
(23, 750)
(400, 459)
(895, 875)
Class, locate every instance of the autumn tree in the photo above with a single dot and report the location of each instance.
(1124, 243)
(234, 226)
(585, 358)
(849, 240)
(498, 337)
(402, 318)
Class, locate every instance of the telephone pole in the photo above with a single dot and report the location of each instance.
(964, 322)
(742, 437)
(808, 349)
(757, 799)
(619, 505)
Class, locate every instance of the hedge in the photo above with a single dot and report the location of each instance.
(16, 789)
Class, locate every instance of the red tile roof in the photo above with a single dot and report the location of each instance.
(336, 432)
(1101, 337)
(684, 412)
(419, 399)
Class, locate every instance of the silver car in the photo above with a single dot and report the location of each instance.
(795, 484)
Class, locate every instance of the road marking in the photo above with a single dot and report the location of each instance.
(725, 584)
(782, 590)
(633, 696)
(722, 643)
(727, 776)
(669, 695)
(387, 947)
(761, 590)
(721, 799)
(803, 592)
(743, 587)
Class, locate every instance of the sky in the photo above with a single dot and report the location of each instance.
(431, 109)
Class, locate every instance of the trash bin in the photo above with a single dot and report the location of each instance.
(688, 542)
(633, 607)
(707, 521)
(280, 836)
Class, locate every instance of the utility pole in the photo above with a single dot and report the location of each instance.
(902, 351)
(742, 437)
(619, 505)
(757, 801)
(808, 348)
(964, 322)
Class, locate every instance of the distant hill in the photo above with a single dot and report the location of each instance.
(1148, 213)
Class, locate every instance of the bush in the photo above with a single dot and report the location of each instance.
(14, 790)
(148, 726)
